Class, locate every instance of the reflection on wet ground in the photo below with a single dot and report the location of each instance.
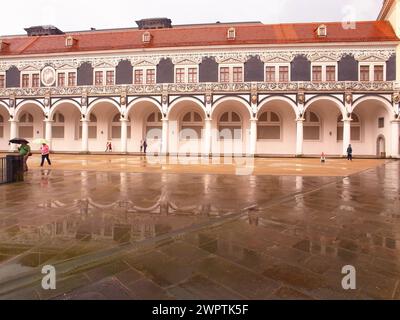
(170, 236)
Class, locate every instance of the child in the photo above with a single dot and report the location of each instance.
(323, 160)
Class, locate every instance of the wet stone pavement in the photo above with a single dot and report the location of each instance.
(198, 236)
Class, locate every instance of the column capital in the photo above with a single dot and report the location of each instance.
(395, 121)
(123, 120)
(84, 120)
(48, 120)
(13, 120)
(300, 120)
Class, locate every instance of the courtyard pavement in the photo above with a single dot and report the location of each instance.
(186, 232)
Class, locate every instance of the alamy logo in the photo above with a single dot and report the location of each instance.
(349, 281)
(49, 280)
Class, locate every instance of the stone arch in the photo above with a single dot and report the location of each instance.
(24, 103)
(141, 100)
(59, 103)
(336, 101)
(287, 100)
(387, 105)
(6, 107)
(233, 98)
(189, 99)
(103, 100)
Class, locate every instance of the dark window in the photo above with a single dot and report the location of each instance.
(381, 123)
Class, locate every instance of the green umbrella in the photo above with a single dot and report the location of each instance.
(40, 141)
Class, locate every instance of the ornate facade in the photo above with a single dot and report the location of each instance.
(245, 89)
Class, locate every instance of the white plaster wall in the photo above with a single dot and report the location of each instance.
(230, 146)
(328, 114)
(287, 144)
(6, 130)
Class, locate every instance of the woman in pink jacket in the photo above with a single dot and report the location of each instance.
(45, 154)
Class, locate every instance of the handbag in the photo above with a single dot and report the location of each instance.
(29, 154)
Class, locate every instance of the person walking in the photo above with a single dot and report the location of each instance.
(45, 150)
(350, 153)
(108, 146)
(25, 152)
(141, 146)
(144, 145)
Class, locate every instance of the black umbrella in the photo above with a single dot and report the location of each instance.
(19, 141)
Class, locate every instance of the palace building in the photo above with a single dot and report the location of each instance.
(236, 88)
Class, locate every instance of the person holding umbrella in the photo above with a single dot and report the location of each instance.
(25, 152)
(45, 150)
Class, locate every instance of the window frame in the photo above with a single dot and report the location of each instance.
(5, 80)
(372, 66)
(308, 123)
(230, 68)
(270, 123)
(324, 66)
(30, 76)
(277, 67)
(104, 76)
(66, 73)
(186, 68)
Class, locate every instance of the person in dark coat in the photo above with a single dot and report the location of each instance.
(350, 153)
(144, 146)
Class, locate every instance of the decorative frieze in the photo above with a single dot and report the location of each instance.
(201, 88)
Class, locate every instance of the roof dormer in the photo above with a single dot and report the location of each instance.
(231, 34)
(322, 31)
(70, 41)
(3, 45)
(146, 37)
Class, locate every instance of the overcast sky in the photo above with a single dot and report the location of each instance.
(72, 15)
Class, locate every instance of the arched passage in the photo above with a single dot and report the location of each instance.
(186, 126)
(231, 126)
(320, 126)
(276, 127)
(102, 112)
(66, 126)
(4, 127)
(375, 114)
(30, 117)
(146, 122)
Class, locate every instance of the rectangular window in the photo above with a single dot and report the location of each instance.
(237, 74)
(150, 76)
(98, 78)
(71, 79)
(311, 132)
(330, 73)
(180, 75)
(224, 74)
(25, 80)
(381, 123)
(2, 81)
(283, 74)
(378, 73)
(35, 80)
(192, 75)
(139, 76)
(270, 74)
(317, 73)
(58, 132)
(109, 78)
(61, 79)
(364, 73)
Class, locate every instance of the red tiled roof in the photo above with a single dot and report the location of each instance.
(203, 35)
